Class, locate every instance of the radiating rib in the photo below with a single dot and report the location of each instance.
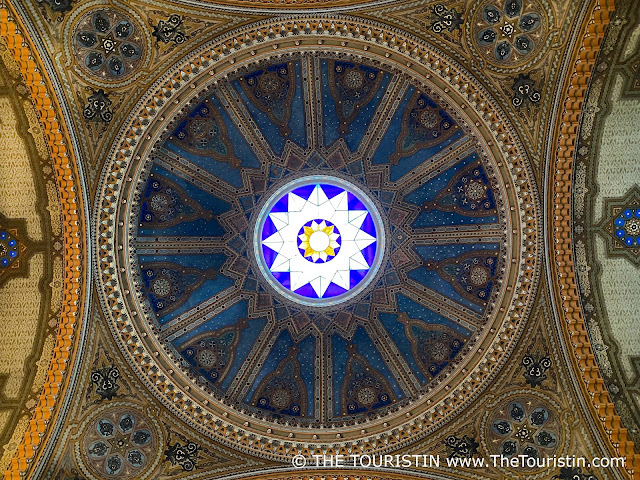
(392, 357)
(442, 305)
(199, 314)
(183, 244)
(322, 367)
(436, 165)
(308, 97)
(315, 103)
(196, 175)
(242, 383)
(382, 117)
(239, 114)
(443, 235)
(327, 366)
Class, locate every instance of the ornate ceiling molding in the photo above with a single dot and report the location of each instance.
(563, 273)
(283, 38)
(75, 246)
(324, 474)
(253, 6)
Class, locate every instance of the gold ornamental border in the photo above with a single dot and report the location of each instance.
(66, 172)
(288, 4)
(560, 240)
(280, 37)
(336, 474)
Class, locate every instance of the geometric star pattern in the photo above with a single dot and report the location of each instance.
(319, 240)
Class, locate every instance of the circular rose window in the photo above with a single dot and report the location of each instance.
(319, 240)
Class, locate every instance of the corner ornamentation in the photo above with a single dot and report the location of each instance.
(445, 19)
(106, 381)
(98, 107)
(524, 91)
(461, 447)
(535, 369)
(170, 30)
(183, 455)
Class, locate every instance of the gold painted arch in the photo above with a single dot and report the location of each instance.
(70, 322)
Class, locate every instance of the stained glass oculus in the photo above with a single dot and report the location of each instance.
(319, 240)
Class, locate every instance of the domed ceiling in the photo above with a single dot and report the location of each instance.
(315, 227)
(31, 258)
(606, 210)
(218, 282)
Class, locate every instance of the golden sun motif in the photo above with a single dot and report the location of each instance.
(319, 241)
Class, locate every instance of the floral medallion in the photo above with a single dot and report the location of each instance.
(108, 45)
(510, 34)
(525, 424)
(120, 442)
